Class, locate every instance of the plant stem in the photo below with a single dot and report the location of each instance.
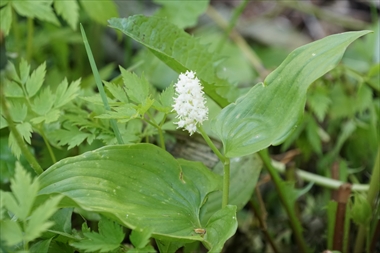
(226, 182)
(24, 148)
(100, 85)
(48, 146)
(159, 129)
(319, 180)
(29, 45)
(226, 166)
(221, 157)
(257, 207)
(162, 140)
(373, 191)
(294, 223)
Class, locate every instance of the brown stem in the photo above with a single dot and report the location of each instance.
(375, 238)
(343, 194)
(259, 211)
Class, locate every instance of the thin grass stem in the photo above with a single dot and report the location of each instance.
(99, 84)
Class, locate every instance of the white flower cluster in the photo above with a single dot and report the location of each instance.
(190, 102)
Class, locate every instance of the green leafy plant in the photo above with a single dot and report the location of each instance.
(21, 222)
(123, 180)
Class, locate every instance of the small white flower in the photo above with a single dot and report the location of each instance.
(190, 102)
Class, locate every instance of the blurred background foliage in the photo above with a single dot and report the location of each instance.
(340, 128)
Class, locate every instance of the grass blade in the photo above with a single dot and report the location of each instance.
(98, 82)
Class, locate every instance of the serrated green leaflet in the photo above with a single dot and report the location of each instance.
(142, 186)
(136, 88)
(34, 83)
(36, 9)
(109, 238)
(178, 50)
(11, 232)
(24, 191)
(267, 114)
(69, 10)
(39, 220)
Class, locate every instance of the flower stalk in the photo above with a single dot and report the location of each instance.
(190, 106)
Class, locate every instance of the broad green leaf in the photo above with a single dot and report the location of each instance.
(36, 9)
(221, 226)
(178, 50)
(39, 222)
(24, 192)
(100, 11)
(10, 232)
(69, 10)
(140, 237)
(182, 13)
(269, 112)
(245, 172)
(36, 80)
(109, 238)
(4, 2)
(141, 186)
(6, 19)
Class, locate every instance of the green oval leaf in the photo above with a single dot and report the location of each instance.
(178, 50)
(140, 186)
(268, 113)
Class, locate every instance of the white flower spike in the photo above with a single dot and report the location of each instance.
(190, 104)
